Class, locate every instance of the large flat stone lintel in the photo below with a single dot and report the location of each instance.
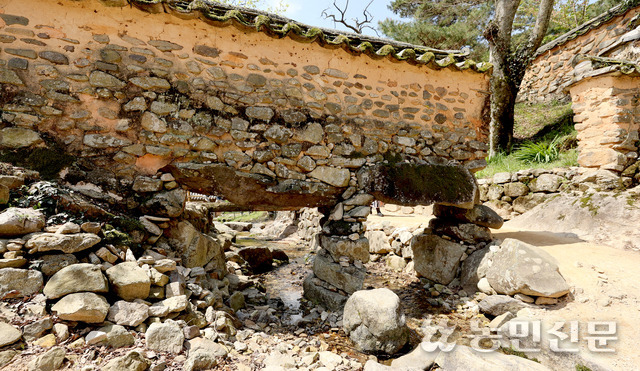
(253, 191)
(411, 185)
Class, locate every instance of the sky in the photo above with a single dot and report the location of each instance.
(310, 12)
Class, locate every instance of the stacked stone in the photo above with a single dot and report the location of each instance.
(452, 236)
(338, 269)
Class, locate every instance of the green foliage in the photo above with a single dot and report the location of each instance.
(501, 163)
(513, 352)
(543, 121)
(541, 152)
(442, 24)
(581, 367)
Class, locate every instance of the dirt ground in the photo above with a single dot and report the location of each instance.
(605, 282)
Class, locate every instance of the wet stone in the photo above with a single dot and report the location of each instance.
(54, 57)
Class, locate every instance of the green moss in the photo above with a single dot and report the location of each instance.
(581, 367)
(47, 161)
(514, 352)
(114, 236)
(585, 202)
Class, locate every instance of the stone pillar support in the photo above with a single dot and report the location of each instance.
(338, 268)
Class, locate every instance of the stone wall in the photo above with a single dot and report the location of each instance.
(553, 67)
(607, 117)
(131, 92)
(512, 194)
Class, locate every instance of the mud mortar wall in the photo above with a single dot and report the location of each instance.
(133, 91)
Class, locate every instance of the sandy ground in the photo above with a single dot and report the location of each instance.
(605, 282)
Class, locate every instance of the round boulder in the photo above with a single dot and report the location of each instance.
(375, 322)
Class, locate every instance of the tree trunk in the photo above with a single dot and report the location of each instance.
(508, 68)
(503, 101)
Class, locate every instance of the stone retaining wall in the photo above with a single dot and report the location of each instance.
(512, 194)
(132, 92)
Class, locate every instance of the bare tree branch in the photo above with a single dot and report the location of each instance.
(358, 25)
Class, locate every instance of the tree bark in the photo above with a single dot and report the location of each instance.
(508, 68)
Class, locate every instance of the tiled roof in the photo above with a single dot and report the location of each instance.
(589, 25)
(219, 15)
(590, 66)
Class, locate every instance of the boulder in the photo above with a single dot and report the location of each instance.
(339, 247)
(465, 358)
(378, 242)
(169, 305)
(259, 258)
(195, 248)
(129, 281)
(200, 360)
(410, 184)
(128, 313)
(170, 203)
(330, 300)
(466, 232)
(16, 221)
(417, 359)
(165, 337)
(67, 243)
(82, 307)
(474, 268)
(36, 329)
(15, 282)
(76, 278)
(349, 278)
(117, 336)
(50, 360)
(479, 215)
(518, 267)
(525, 203)
(8, 334)
(375, 322)
(132, 361)
(435, 258)
(496, 305)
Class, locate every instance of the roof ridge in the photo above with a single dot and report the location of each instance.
(218, 14)
(587, 26)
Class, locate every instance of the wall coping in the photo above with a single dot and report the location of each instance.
(591, 24)
(251, 20)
